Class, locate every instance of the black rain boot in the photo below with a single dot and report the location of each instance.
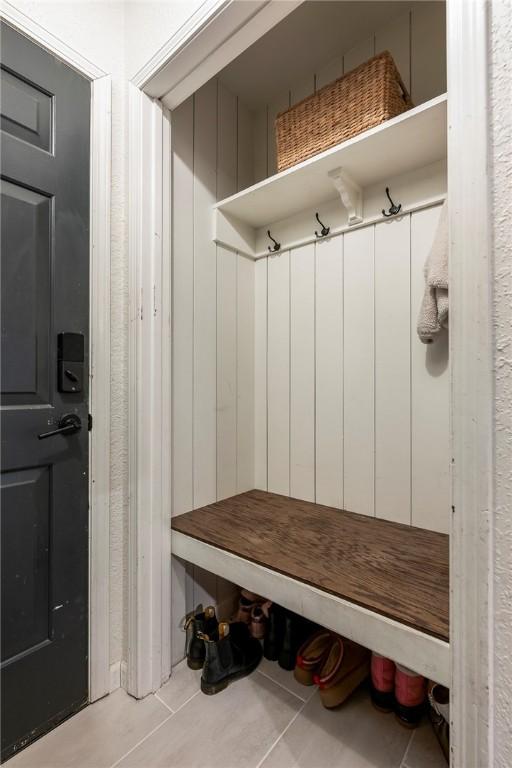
(204, 622)
(274, 635)
(234, 655)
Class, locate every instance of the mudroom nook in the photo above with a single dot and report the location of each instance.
(265, 465)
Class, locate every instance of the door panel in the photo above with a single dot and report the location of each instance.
(25, 293)
(45, 109)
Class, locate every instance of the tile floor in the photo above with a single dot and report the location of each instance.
(266, 720)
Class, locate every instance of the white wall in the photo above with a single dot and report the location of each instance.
(213, 330)
(501, 153)
(150, 24)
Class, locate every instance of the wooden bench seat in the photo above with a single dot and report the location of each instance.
(381, 583)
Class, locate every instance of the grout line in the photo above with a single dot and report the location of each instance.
(281, 685)
(267, 753)
(196, 693)
(140, 742)
(404, 758)
(164, 703)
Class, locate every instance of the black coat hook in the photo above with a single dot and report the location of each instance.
(394, 209)
(324, 231)
(276, 246)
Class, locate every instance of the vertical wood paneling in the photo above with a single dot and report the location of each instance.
(227, 151)
(245, 146)
(302, 372)
(361, 52)
(280, 103)
(329, 372)
(182, 307)
(302, 88)
(358, 371)
(260, 133)
(226, 373)
(430, 397)
(392, 371)
(395, 38)
(278, 376)
(245, 374)
(329, 72)
(428, 51)
(260, 374)
(205, 317)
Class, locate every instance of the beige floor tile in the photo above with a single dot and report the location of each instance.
(424, 750)
(233, 729)
(353, 736)
(182, 685)
(97, 736)
(286, 679)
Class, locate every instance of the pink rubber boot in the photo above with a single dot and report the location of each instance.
(410, 695)
(383, 683)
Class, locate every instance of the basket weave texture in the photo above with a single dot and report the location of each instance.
(363, 98)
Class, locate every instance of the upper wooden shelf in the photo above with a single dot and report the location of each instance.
(411, 140)
(384, 584)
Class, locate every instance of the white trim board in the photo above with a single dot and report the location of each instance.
(425, 654)
(99, 342)
(206, 44)
(149, 570)
(472, 379)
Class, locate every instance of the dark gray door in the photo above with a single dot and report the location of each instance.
(45, 108)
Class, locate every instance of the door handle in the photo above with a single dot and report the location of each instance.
(68, 425)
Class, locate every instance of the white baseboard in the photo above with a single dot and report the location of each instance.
(118, 675)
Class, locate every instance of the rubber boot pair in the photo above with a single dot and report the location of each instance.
(397, 689)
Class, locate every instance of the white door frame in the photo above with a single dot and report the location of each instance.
(99, 343)
(471, 354)
(471, 283)
(149, 407)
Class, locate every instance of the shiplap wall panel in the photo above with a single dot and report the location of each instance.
(260, 374)
(226, 373)
(260, 138)
(360, 53)
(205, 297)
(302, 88)
(428, 51)
(302, 372)
(278, 104)
(329, 72)
(245, 146)
(245, 374)
(329, 372)
(358, 371)
(395, 38)
(205, 316)
(392, 371)
(227, 155)
(430, 407)
(278, 374)
(182, 307)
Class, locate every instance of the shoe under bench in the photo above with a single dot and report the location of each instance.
(382, 584)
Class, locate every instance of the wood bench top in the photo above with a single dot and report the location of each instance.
(395, 570)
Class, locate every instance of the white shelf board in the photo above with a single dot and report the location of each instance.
(412, 140)
(425, 654)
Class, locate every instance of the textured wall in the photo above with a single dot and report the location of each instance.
(501, 154)
(150, 24)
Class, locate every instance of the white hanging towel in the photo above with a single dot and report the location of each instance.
(433, 315)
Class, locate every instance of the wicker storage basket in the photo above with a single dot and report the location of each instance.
(366, 96)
